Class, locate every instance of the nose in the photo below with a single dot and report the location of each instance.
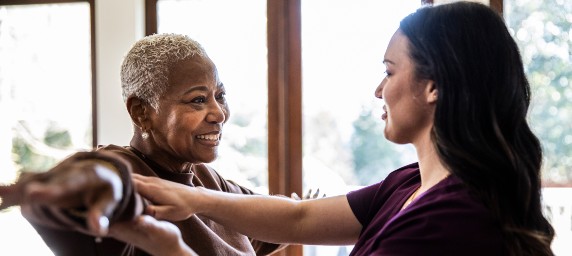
(379, 89)
(217, 112)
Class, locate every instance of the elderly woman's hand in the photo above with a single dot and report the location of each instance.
(159, 238)
(90, 189)
(308, 195)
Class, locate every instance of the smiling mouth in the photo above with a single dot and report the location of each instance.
(211, 137)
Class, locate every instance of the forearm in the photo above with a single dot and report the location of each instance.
(280, 219)
(274, 219)
(76, 193)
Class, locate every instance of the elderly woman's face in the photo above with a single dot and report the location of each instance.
(191, 112)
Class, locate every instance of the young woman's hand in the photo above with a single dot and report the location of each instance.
(170, 201)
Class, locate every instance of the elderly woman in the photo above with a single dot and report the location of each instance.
(178, 108)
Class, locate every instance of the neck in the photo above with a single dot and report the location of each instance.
(431, 168)
(159, 157)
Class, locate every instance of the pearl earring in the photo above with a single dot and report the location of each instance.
(145, 135)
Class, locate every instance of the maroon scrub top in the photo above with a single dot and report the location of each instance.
(444, 220)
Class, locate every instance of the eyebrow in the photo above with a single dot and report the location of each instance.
(196, 88)
(385, 61)
(203, 88)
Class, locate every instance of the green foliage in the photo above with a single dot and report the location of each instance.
(57, 138)
(543, 31)
(373, 156)
(29, 157)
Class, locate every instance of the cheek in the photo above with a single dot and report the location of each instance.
(390, 95)
(181, 125)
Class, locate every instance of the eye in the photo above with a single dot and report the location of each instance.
(200, 99)
(387, 73)
(221, 95)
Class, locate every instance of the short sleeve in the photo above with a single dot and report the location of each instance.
(361, 201)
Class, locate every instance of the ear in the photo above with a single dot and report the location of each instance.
(138, 110)
(431, 92)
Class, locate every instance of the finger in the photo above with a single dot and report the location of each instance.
(316, 194)
(295, 196)
(307, 195)
(99, 208)
(9, 196)
(97, 223)
(161, 212)
(143, 186)
(150, 188)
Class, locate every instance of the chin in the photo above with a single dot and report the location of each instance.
(391, 137)
(208, 159)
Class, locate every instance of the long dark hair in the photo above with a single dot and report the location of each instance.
(480, 130)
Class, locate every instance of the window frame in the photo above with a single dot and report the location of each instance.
(93, 53)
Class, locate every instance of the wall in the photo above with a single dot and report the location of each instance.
(118, 25)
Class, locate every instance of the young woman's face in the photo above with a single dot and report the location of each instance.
(406, 111)
(192, 112)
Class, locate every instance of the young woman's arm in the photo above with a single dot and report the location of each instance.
(326, 221)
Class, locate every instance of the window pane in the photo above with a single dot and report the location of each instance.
(234, 35)
(45, 98)
(343, 43)
(543, 31)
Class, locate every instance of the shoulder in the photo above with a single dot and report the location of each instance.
(381, 199)
(446, 218)
(404, 176)
(209, 178)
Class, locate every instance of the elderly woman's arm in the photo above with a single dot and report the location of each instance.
(158, 238)
(268, 218)
(82, 193)
(74, 202)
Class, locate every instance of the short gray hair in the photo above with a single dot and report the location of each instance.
(146, 67)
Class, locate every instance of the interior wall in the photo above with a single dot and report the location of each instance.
(118, 25)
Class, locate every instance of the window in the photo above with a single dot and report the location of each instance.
(236, 42)
(45, 77)
(343, 43)
(543, 32)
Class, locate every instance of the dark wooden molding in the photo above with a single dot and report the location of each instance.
(150, 17)
(498, 5)
(22, 2)
(285, 102)
(94, 122)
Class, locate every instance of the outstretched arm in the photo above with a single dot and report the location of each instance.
(89, 189)
(158, 238)
(327, 221)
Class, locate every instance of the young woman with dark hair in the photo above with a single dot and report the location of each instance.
(480, 129)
